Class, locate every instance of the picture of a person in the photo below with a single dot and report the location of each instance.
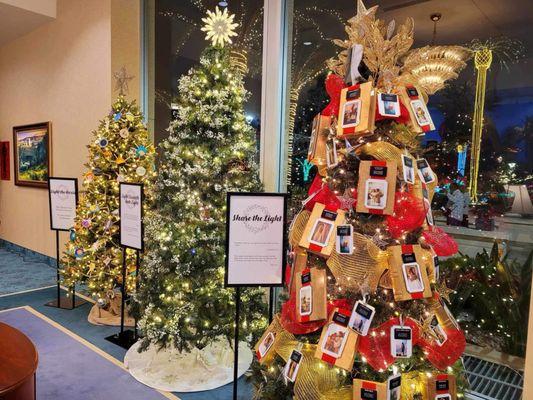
(389, 108)
(305, 305)
(291, 371)
(351, 113)
(266, 344)
(414, 280)
(401, 349)
(374, 197)
(321, 232)
(421, 114)
(345, 246)
(334, 342)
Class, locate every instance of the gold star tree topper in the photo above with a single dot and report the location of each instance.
(219, 27)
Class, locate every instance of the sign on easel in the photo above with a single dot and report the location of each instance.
(255, 239)
(63, 196)
(131, 214)
(63, 200)
(255, 249)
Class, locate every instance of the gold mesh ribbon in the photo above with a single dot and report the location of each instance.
(298, 227)
(316, 379)
(366, 263)
(385, 151)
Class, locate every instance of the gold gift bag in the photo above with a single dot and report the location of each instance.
(439, 387)
(338, 343)
(408, 272)
(376, 187)
(356, 111)
(319, 233)
(311, 295)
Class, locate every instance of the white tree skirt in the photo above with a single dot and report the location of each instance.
(195, 371)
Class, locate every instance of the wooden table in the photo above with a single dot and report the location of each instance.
(18, 364)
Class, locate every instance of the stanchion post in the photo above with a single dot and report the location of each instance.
(236, 344)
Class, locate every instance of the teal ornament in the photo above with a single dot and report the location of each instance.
(141, 151)
(72, 234)
(103, 142)
(78, 253)
(117, 116)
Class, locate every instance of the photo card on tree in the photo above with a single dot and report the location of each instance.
(439, 387)
(264, 348)
(317, 153)
(356, 111)
(420, 118)
(320, 230)
(408, 272)
(311, 295)
(376, 187)
(338, 342)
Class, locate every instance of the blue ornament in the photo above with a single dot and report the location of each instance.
(141, 151)
(103, 142)
(78, 253)
(117, 116)
(72, 234)
(193, 251)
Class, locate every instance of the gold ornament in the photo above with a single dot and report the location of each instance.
(483, 60)
(119, 160)
(425, 327)
(219, 27)
(365, 266)
(444, 291)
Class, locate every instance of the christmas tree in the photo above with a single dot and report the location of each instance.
(364, 313)
(121, 151)
(210, 151)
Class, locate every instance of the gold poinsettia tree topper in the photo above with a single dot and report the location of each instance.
(388, 56)
(219, 27)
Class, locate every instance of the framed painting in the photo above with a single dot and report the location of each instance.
(31, 148)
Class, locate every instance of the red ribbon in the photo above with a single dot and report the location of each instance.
(334, 85)
(409, 214)
(322, 194)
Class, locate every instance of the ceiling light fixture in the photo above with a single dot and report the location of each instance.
(223, 3)
(308, 43)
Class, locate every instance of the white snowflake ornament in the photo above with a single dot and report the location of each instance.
(219, 27)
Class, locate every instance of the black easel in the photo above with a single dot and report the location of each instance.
(125, 338)
(236, 344)
(62, 302)
(238, 286)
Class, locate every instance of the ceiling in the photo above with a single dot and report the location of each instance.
(19, 17)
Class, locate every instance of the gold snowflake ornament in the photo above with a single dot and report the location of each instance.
(219, 27)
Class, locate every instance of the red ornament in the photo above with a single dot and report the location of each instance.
(409, 214)
(441, 357)
(442, 243)
(321, 194)
(289, 319)
(376, 346)
(334, 86)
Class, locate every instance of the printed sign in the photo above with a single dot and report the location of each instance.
(63, 196)
(131, 213)
(255, 239)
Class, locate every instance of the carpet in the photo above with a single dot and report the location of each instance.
(19, 274)
(71, 368)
